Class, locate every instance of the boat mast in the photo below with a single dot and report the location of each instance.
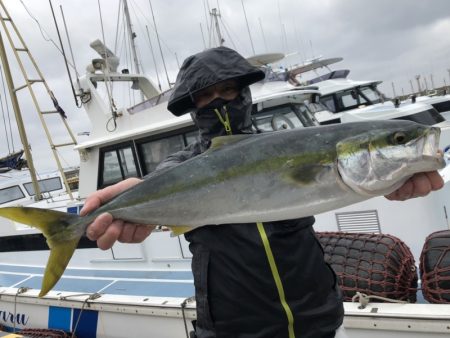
(19, 120)
(215, 14)
(132, 36)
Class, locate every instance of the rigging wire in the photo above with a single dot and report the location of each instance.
(248, 27)
(225, 26)
(7, 111)
(153, 56)
(117, 26)
(133, 5)
(43, 31)
(70, 48)
(108, 83)
(203, 36)
(263, 35)
(64, 54)
(159, 43)
(206, 11)
(4, 124)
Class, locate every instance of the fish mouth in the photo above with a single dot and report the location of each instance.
(430, 148)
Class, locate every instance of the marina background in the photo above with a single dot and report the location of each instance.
(383, 40)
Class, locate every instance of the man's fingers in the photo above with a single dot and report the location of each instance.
(436, 180)
(142, 232)
(112, 234)
(419, 185)
(135, 233)
(127, 233)
(99, 226)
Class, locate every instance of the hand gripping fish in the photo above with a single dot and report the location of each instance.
(256, 178)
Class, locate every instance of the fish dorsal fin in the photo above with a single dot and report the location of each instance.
(179, 230)
(220, 141)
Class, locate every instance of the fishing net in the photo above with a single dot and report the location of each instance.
(373, 264)
(435, 267)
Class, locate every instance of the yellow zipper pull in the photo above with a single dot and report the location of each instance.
(226, 122)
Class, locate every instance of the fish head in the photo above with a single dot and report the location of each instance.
(380, 158)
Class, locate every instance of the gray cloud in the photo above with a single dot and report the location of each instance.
(382, 40)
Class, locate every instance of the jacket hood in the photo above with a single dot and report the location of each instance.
(208, 68)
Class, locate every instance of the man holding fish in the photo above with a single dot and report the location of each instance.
(265, 278)
(256, 279)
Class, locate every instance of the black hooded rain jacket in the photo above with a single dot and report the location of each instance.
(237, 292)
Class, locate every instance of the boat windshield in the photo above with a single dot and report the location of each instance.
(286, 116)
(352, 98)
(427, 117)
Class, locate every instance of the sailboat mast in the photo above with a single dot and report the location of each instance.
(19, 120)
(215, 14)
(132, 35)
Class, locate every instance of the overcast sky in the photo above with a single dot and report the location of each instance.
(385, 40)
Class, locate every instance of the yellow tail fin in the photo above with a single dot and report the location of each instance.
(62, 231)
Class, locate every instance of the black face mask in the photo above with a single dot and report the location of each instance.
(235, 113)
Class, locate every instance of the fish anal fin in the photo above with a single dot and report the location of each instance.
(179, 230)
(60, 255)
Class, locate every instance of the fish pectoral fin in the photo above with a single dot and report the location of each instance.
(307, 174)
(60, 254)
(220, 141)
(179, 230)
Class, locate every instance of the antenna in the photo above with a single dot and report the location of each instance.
(393, 89)
(419, 90)
(426, 84)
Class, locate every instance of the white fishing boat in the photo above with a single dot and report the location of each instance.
(148, 287)
(343, 97)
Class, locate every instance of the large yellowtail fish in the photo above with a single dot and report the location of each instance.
(256, 178)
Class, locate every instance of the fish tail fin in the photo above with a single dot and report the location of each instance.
(62, 232)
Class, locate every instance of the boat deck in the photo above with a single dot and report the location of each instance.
(178, 284)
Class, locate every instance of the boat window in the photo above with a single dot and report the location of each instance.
(328, 101)
(370, 94)
(305, 116)
(123, 92)
(281, 117)
(46, 185)
(155, 151)
(192, 137)
(428, 117)
(118, 164)
(152, 102)
(11, 194)
(350, 100)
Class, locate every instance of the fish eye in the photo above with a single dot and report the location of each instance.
(399, 137)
